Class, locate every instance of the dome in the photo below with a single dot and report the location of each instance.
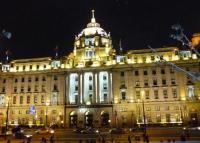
(93, 28)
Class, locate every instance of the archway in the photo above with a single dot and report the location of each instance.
(104, 119)
(88, 119)
(73, 119)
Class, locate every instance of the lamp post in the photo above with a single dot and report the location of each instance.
(7, 111)
(47, 104)
(144, 116)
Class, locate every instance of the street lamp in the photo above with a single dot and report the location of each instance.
(144, 116)
(47, 104)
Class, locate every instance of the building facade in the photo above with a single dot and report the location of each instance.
(95, 86)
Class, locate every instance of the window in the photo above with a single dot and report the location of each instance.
(105, 86)
(36, 88)
(21, 100)
(136, 73)
(162, 71)
(3, 89)
(36, 78)
(90, 87)
(146, 83)
(30, 67)
(165, 93)
(35, 99)
(153, 72)
(55, 77)
(4, 80)
(76, 78)
(157, 108)
(55, 87)
(104, 77)
(156, 94)
(22, 89)
(148, 108)
(105, 97)
(24, 68)
(137, 83)
(145, 72)
(171, 70)
(16, 80)
(138, 94)
(42, 98)
(154, 82)
(45, 66)
(173, 81)
(135, 59)
(37, 67)
(29, 79)
(123, 95)
(15, 89)
(163, 81)
(29, 89)
(144, 59)
(152, 58)
(28, 99)
(22, 79)
(43, 78)
(174, 93)
(122, 74)
(76, 87)
(14, 99)
(158, 118)
(90, 78)
(17, 68)
(147, 94)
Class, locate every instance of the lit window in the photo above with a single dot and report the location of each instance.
(123, 94)
(165, 93)
(174, 93)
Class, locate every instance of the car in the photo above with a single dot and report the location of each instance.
(116, 131)
(78, 130)
(89, 131)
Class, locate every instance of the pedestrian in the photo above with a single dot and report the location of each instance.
(8, 141)
(52, 139)
(129, 139)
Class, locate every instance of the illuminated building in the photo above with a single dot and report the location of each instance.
(95, 86)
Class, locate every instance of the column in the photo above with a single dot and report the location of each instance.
(94, 87)
(98, 90)
(79, 89)
(67, 88)
(82, 87)
(111, 87)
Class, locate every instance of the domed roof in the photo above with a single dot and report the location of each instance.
(93, 28)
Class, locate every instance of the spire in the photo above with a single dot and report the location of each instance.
(120, 46)
(93, 18)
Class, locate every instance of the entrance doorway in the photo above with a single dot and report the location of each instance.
(88, 119)
(104, 119)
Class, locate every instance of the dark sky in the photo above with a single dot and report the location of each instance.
(37, 26)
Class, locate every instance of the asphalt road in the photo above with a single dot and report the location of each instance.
(155, 135)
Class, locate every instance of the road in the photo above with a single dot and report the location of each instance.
(155, 135)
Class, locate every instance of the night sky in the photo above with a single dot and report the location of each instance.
(37, 26)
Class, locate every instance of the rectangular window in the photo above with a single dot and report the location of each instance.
(4, 80)
(145, 72)
(156, 94)
(104, 77)
(22, 79)
(21, 100)
(30, 67)
(173, 81)
(122, 74)
(162, 71)
(15, 89)
(137, 83)
(36, 88)
(153, 72)
(138, 94)
(22, 89)
(76, 87)
(147, 94)
(29, 89)
(155, 82)
(136, 73)
(14, 99)
(43, 88)
(37, 67)
(165, 93)
(28, 99)
(105, 86)
(42, 99)
(90, 87)
(55, 77)
(164, 82)
(17, 68)
(45, 66)
(90, 78)
(148, 108)
(157, 108)
(3, 89)
(35, 99)
(24, 68)
(36, 78)
(123, 95)
(146, 82)
(43, 78)
(29, 79)
(16, 80)
(174, 93)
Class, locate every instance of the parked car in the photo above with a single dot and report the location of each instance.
(116, 131)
